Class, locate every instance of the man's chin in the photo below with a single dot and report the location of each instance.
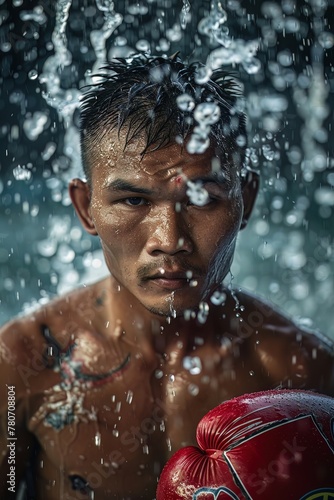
(164, 313)
(173, 309)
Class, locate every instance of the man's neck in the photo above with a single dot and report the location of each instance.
(121, 311)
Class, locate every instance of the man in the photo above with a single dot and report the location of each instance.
(113, 378)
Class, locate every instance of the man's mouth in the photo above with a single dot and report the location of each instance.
(172, 280)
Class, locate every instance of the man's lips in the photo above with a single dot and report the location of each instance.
(171, 280)
(169, 275)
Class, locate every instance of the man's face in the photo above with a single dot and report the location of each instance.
(166, 250)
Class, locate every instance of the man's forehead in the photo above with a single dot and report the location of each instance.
(114, 155)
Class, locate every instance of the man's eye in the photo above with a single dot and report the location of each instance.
(134, 201)
(201, 201)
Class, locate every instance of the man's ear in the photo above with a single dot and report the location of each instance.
(80, 195)
(250, 188)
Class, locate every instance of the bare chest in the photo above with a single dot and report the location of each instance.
(100, 423)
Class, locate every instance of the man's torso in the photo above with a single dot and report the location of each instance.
(108, 410)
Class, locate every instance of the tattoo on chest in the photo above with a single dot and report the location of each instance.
(75, 380)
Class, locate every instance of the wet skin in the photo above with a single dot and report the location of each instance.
(105, 382)
(157, 243)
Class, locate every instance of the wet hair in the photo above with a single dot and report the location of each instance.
(139, 95)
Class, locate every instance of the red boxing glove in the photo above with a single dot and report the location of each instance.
(272, 445)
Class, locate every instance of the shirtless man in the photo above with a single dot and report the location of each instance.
(111, 379)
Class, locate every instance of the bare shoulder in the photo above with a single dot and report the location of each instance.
(24, 340)
(292, 355)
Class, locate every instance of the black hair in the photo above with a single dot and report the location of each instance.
(140, 94)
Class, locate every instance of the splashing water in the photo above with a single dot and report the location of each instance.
(99, 37)
(281, 56)
(184, 14)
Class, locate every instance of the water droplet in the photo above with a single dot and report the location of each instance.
(207, 113)
(185, 102)
(198, 143)
(203, 75)
(184, 16)
(158, 374)
(65, 253)
(174, 34)
(5, 47)
(197, 194)
(285, 58)
(49, 149)
(192, 364)
(47, 248)
(137, 8)
(268, 153)
(34, 125)
(129, 397)
(32, 75)
(324, 196)
(97, 439)
(252, 66)
(21, 173)
(143, 45)
(193, 389)
(218, 298)
(326, 39)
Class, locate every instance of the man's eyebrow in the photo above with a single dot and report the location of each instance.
(218, 178)
(122, 185)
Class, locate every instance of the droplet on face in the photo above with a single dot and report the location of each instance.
(218, 298)
(198, 143)
(129, 397)
(197, 194)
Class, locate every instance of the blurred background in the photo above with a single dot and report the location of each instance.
(283, 54)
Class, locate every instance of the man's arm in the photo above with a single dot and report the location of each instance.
(287, 355)
(297, 358)
(16, 442)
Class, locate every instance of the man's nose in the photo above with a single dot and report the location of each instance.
(169, 234)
